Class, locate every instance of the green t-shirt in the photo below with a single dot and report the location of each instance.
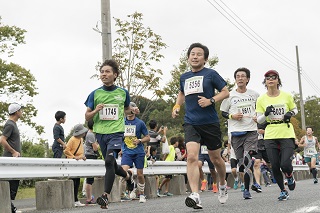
(111, 118)
(172, 154)
(282, 103)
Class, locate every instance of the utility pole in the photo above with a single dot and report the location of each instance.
(303, 118)
(106, 30)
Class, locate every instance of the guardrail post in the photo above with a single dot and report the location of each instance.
(150, 189)
(177, 185)
(54, 194)
(5, 205)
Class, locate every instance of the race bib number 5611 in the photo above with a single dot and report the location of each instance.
(109, 112)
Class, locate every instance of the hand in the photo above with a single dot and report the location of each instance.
(84, 158)
(135, 110)
(268, 110)
(175, 111)
(16, 154)
(287, 116)
(99, 107)
(203, 101)
(64, 146)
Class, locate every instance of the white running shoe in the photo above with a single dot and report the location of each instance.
(133, 193)
(223, 195)
(142, 199)
(193, 201)
(78, 204)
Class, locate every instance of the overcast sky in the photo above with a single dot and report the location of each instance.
(61, 48)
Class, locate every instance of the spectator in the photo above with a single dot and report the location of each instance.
(75, 150)
(58, 134)
(170, 157)
(155, 137)
(91, 152)
(10, 140)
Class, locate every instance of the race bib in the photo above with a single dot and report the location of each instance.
(109, 112)
(204, 149)
(311, 151)
(130, 130)
(279, 111)
(246, 109)
(193, 85)
(260, 136)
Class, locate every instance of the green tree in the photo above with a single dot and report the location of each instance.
(137, 50)
(30, 149)
(17, 83)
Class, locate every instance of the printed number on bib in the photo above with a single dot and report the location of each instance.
(311, 152)
(204, 150)
(279, 111)
(246, 109)
(130, 130)
(193, 85)
(109, 112)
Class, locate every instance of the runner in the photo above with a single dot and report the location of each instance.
(239, 109)
(201, 127)
(276, 108)
(310, 144)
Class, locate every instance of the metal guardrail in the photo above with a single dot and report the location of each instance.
(37, 168)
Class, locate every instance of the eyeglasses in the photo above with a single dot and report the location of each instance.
(241, 76)
(273, 77)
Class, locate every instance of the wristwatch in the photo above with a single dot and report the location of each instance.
(212, 101)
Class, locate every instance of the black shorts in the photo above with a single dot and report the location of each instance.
(205, 157)
(209, 135)
(233, 163)
(262, 154)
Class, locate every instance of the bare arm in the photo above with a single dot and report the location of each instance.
(180, 100)
(223, 94)
(6, 146)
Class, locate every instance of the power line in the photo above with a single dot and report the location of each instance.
(259, 41)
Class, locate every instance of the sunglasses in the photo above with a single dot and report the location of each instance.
(273, 77)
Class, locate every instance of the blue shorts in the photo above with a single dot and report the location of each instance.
(130, 159)
(205, 157)
(308, 159)
(109, 142)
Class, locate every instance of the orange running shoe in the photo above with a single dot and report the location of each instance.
(214, 188)
(203, 185)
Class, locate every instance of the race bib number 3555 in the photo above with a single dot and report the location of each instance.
(109, 112)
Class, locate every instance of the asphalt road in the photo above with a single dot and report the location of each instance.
(305, 198)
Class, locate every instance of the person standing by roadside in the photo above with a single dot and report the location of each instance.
(10, 140)
(75, 150)
(58, 134)
(276, 107)
(201, 122)
(133, 149)
(91, 152)
(310, 144)
(239, 109)
(107, 106)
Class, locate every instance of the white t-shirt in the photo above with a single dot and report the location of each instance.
(244, 103)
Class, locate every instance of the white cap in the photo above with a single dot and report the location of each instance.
(13, 108)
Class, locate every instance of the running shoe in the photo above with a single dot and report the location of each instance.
(315, 180)
(215, 188)
(284, 195)
(268, 184)
(130, 182)
(142, 199)
(193, 201)
(223, 195)
(256, 187)
(246, 194)
(203, 185)
(158, 193)
(78, 204)
(125, 197)
(133, 193)
(235, 185)
(103, 201)
(242, 187)
(291, 183)
(168, 194)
